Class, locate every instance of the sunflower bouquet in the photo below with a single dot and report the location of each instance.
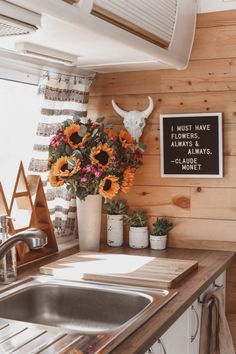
(91, 158)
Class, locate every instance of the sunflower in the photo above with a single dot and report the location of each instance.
(54, 180)
(128, 178)
(109, 186)
(125, 139)
(72, 137)
(100, 155)
(62, 167)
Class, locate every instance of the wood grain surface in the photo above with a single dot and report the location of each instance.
(122, 269)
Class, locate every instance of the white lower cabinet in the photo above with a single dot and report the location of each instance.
(183, 337)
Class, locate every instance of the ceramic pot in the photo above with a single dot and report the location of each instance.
(158, 242)
(89, 213)
(115, 230)
(138, 237)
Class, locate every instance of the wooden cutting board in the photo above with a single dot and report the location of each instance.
(121, 269)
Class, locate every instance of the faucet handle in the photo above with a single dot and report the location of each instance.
(4, 218)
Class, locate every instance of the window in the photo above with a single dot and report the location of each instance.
(19, 114)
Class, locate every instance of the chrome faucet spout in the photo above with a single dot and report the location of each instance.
(34, 238)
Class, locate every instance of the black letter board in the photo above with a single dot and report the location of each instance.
(191, 145)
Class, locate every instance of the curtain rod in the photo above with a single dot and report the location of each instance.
(48, 72)
(19, 81)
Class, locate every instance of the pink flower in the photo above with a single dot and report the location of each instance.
(98, 173)
(84, 179)
(88, 168)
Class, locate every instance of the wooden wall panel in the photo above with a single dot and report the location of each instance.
(187, 102)
(216, 19)
(207, 47)
(220, 205)
(200, 76)
(149, 175)
(204, 218)
(161, 201)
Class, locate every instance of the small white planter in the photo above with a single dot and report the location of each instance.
(138, 237)
(158, 242)
(115, 230)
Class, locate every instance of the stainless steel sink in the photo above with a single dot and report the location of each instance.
(95, 316)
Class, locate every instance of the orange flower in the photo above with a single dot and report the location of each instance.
(54, 180)
(109, 187)
(128, 179)
(111, 134)
(61, 166)
(125, 139)
(100, 155)
(72, 137)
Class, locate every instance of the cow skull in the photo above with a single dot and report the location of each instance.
(134, 121)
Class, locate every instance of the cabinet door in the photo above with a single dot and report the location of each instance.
(175, 339)
(183, 337)
(195, 312)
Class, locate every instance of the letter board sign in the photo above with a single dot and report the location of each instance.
(191, 145)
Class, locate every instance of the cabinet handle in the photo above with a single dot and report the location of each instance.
(162, 345)
(198, 324)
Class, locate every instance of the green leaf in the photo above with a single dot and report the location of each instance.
(142, 146)
(100, 119)
(70, 164)
(77, 154)
(68, 150)
(82, 131)
(108, 125)
(94, 132)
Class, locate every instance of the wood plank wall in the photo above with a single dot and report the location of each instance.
(203, 210)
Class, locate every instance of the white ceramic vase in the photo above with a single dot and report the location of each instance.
(138, 237)
(89, 213)
(158, 242)
(115, 230)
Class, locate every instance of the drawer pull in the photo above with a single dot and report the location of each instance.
(162, 345)
(193, 337)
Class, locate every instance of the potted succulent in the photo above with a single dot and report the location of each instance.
(116, 209)
(138, 233)
(158, 238)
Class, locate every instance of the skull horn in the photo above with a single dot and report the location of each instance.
(148, 110)
(118, 109)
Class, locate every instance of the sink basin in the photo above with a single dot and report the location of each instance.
(98, 313)
(83, 309)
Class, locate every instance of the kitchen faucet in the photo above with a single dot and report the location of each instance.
(34, 238)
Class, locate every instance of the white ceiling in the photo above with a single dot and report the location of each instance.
(64, 32)
(216, 5)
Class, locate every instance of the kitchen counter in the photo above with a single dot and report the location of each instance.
(210, 265)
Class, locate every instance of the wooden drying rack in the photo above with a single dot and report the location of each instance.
(28, 208)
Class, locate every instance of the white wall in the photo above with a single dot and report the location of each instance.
(215, 5)
(19, 113)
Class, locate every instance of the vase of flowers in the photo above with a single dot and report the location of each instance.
(116, 209)
(138, 233)
(92, 159)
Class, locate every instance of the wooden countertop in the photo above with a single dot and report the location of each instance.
(210, 265)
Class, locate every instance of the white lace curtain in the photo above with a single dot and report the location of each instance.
(63, 97)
